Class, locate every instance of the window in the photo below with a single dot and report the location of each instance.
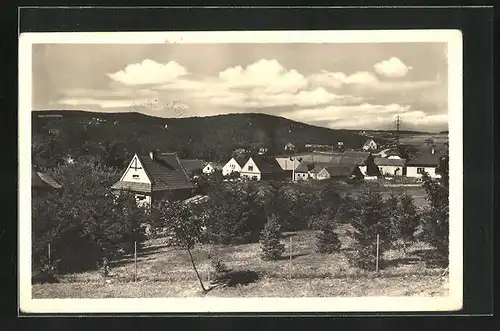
(420, 171)
(232, 166)
(140, 197)
(380, 169)
(250, 168)
(135, 176)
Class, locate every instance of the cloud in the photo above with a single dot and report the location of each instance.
(392, 68)
(148, 72)
(266, 74)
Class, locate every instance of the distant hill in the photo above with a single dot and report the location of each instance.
(210, 138)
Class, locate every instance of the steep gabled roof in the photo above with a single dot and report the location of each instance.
(43, 180)
(381, 161)
(241, 160)
(266, 164)
(192, 165)
(357, 158)
(165, 172)
(425, 158)
(341, 170)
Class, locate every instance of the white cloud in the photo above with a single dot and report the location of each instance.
(392, 68)
(149, 72)
(266, 74)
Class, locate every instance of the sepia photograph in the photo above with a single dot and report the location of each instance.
(240, 171)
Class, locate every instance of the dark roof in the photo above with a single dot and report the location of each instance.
(165, 172)
(266, 164)
(43, 180)
(192, 165)
(241, 160)
(340, 170)
(391, 162)
(357, 158)
(425, 158)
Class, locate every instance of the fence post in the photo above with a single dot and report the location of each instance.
(135, 261)
(291, 257)
(48, 250)
(378, 243)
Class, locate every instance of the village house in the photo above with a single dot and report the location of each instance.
(261, 168)
(426, 161)
(390, 166)
(234, 165)
(211, 167)
(339, 172)
(370, 144)
(155, 177)
(363, 160)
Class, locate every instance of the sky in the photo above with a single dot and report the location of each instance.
(339, 86)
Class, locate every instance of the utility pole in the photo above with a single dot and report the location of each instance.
(397, 122)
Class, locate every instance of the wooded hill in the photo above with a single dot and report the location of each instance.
(119, 135)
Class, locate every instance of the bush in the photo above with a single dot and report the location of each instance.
(218, 266)
(327, 241)
(363, 256)
(85, 222)
(270, 243)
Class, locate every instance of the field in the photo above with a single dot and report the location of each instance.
(419, 139)
(166, 272)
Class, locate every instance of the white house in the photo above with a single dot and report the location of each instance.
(425, 161)
(155, 177)
(390, 166)
(211, 167)
(261, 168)
(370, 144)
(234, 165)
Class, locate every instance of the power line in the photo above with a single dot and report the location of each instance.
(397, 122)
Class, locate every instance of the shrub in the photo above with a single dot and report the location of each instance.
(270, 243)
(327, 241)
(218, 266)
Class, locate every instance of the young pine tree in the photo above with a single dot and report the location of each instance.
(270, 243)
(327, 241)
(370, 218)
(405, 221)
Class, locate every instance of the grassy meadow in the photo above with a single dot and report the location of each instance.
(165, 271)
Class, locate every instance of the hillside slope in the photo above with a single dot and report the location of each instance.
(210, 138)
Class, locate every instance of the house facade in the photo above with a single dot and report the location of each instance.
(390, 166)
(370, 144)
(155, 177)
(260, 168)
(426, 161)
(233, 165)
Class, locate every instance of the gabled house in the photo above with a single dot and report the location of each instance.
(211, 167)
(370, 144)
(262, 168)
(390, 166)
(339, 172)
(234, 165)
(426, 160)
(154, 177)
(303, 171)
